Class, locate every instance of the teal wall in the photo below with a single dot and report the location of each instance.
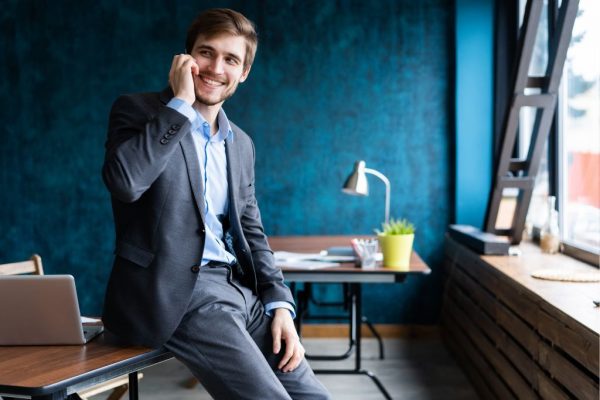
(474, 108)
(333, 81)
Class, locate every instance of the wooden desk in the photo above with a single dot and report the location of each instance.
(346, 273)
(58, 372)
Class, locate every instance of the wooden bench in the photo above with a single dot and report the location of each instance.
(517, 336)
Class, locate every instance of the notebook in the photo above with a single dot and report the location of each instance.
(41, 310)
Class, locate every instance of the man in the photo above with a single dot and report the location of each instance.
(193, 270)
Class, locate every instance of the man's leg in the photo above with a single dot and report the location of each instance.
(301, 383)
(218, 338)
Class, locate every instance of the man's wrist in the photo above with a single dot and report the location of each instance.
(182, 107)
(279, 305)
(189, 100)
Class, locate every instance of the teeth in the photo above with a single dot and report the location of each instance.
(211, 82)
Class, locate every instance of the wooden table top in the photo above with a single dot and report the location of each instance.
(45, 366)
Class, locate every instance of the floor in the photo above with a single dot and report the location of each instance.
(416, 369)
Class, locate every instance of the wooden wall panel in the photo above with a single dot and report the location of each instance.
(496, 316)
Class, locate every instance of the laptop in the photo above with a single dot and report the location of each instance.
(41, 310)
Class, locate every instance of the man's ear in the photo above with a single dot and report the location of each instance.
(245, 73)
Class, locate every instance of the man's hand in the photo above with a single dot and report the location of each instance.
(282, 328)
(181, 77)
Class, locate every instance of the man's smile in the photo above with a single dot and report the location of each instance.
(210, 82)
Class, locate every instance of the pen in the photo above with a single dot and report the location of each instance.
(357, 248)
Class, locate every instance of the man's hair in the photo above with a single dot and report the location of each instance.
(218, 21)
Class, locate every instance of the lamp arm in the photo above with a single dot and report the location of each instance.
(387, 190)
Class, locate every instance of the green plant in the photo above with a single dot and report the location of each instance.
(396, 227)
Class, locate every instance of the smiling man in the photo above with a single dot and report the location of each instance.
(193, 271)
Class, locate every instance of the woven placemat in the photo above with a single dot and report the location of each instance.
(567, 276)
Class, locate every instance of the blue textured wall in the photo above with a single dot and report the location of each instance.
(334, 81)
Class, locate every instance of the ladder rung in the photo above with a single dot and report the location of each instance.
(519, 182)
(537, 82)
(517, 165)
(542, 100)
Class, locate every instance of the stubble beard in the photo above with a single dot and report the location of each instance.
(211, 102)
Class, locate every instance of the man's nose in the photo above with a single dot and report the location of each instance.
(216, 65)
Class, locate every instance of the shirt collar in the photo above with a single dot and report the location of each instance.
(225, 132)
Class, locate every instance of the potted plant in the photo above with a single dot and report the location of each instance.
(396, 241)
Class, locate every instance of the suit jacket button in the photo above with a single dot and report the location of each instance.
(175, 126)
(195, 269)
(164, 141)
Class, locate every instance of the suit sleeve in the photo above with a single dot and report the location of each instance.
(269, 278)
(141, 139)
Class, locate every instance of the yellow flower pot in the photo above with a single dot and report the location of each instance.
(396, 250)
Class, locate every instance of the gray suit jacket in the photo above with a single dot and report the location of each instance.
(152, 172)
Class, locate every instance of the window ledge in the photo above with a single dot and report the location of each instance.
(575, 300)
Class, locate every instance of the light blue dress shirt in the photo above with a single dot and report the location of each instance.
(213, 167)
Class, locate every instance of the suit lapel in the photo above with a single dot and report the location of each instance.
(193, 170)
(233, 177)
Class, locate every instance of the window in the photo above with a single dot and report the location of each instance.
(576, 175)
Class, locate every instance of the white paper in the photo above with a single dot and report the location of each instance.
(289, 256)
(305, 264)
(88, 320)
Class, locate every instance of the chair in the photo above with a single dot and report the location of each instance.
(31, 266)
(118, 385)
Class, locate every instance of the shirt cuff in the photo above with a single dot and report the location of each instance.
(184, 108)
(269, 307)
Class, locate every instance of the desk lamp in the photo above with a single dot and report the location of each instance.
(356, 184)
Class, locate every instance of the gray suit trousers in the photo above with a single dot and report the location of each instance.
(225, 340)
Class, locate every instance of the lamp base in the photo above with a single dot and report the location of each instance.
(481, 242)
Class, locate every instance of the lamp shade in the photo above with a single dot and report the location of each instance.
(356, 183)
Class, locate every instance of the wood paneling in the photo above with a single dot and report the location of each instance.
(521, 327)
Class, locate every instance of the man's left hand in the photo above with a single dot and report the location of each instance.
(282, 328)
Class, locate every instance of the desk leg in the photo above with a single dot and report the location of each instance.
(355, 289)
(133, 386)
(356, 299)
(60, 395)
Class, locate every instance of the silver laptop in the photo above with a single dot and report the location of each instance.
(41, 310)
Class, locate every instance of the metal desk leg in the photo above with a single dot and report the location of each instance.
(305, 296)
(133, 386)
(356, 298)
(60, 395)
(374, 332)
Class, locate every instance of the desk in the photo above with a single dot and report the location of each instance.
(346, 273)
(58, 372)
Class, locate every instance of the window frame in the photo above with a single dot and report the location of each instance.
(506, 37)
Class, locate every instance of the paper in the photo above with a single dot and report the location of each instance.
(88, 320)
(305, 264)
(339, 259)
(305, 260)
(289, 256)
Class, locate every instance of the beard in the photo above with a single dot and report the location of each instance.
(211, 100)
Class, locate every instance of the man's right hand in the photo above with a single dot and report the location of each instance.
(181, 77)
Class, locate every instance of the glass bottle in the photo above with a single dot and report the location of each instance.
(549, 237)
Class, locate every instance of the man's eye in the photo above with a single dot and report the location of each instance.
(205, 53)
(231, 61)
